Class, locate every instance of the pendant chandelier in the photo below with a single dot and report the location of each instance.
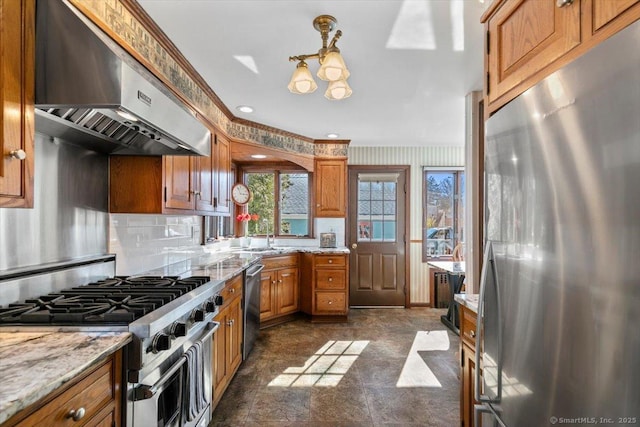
(332, 66)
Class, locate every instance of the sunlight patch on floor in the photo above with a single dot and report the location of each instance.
(415, 372)
(325, 368)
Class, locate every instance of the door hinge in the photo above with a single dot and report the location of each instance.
(165, 194)
(488, 82)
(488, 42)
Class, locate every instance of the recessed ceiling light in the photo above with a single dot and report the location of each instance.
(244, 108)
(258, 156)
(332, 135)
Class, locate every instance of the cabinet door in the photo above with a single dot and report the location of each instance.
(220, 343)
(179, 182)
(17, 84)
(234, 324)
(524, 37)
(267, 295)
(330, 183)
(287, 292)
(605, 11)
(205, 182)
(468, 383)
(223, 175)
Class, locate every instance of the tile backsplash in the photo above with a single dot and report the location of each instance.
(146, 242)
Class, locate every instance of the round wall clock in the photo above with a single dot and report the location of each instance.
(240, 194)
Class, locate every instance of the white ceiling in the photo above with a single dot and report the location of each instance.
(408, 95)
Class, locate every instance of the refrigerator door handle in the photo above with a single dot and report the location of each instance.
(486, 409)
(488, 261)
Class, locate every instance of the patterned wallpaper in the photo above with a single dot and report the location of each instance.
(135, 37)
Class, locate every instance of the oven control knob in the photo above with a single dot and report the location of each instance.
(219, 300)
(197, 315)
(160, 342)
(210, 306)
(179, 329)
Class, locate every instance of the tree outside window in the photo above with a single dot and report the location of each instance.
(283, 207)
(443, 212)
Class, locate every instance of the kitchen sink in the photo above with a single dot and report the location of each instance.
(277, 249)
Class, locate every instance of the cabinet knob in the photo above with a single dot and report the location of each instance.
(330, 302)
(18, 154)
(563, 3)
(472, 334)
(232, 290)
(318, 205)
(279, 280)
(230, 322)
(330, 261)
(76, 415)
(331, 279)
(273, 282)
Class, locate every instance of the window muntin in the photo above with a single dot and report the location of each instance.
(443, 212)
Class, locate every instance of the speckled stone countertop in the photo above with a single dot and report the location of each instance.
(33, 364)
(468, 300)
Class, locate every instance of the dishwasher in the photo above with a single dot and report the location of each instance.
(251, 308)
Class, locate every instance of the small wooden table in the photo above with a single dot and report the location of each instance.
(456, 271)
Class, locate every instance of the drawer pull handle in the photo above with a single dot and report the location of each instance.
(563, 3)
(76, 415)
(472, 334)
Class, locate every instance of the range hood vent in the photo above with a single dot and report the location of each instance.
(90, 92)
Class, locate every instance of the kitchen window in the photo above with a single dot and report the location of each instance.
(280, 199)
(443, 212)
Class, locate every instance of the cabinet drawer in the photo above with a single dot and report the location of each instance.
(330, 302)
(330, 279)
(93, 393)
(232, 289)
(280, 261)
(468, 327)
(330, 260)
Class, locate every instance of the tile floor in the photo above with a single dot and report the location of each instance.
(303, 374)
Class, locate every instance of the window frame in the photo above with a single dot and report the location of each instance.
(277, 170)
(458, 204)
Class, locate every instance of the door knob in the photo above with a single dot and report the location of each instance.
(354, 246)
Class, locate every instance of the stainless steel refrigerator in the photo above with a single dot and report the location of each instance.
(560, 287)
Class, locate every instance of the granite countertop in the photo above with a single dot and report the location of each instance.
(33, 364)
(468, 300)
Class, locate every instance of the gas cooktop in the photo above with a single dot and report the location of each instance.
(112, 301)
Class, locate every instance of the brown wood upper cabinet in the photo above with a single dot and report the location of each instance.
(330, 184)
(17, 82)
(172, 184)
(526, 40)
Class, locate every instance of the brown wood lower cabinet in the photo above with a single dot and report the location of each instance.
(279, 295)
(324, 290)
(97, 391)
(227, 341)
(467, 365)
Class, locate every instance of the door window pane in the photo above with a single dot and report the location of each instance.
(377, 207)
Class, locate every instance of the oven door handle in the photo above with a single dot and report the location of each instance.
(143, 391)
(212, 328)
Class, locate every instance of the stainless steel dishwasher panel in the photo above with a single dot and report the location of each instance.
(251, 305)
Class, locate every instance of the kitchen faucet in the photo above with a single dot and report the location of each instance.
(266, 225)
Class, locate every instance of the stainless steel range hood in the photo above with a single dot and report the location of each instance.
(89, 91)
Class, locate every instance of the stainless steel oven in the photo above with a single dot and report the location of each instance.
(178, 391)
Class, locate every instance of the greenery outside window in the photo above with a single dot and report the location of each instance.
(443, 212)
(281, 200)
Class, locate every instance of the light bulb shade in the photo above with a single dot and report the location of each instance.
(333, 67)
(338, 90)
(302, 81)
